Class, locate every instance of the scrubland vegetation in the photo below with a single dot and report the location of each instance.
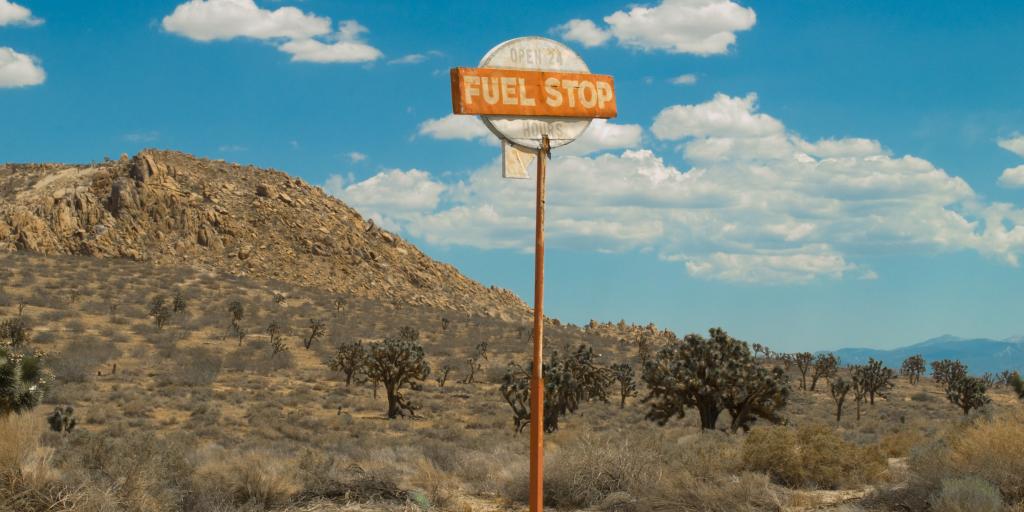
(127, 387)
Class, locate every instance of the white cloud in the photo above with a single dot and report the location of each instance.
(306, 37)
(390, 197)
(141, 136)
(723, 116)
(687, 79)
(1013, 177)
(603, 135)
(411, 58)
(700, 27)
(759, 204)
(1013, 144)
(14, 14)
(585, 32)
(454, 126)
(19, 70)
(797, 265)
(356, 156)
(209, 20)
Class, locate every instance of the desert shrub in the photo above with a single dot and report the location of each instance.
(258, 358)
(899, 444)
(969, 494)
(811, 456)
(80, 359)
(586, 471)
(259, 481)
(141, 472)
(991, 449)
(195, 366)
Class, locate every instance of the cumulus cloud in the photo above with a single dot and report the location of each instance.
(14, 14)
(585, 32)
(452, 126)
(391, 197)
(209, 20)
(356, 156)
(305, 36)
(19, 70)
(700, 27)
(1013, 144)
(757, 203)
(601, 135)
(1013, 177)
(687, 79)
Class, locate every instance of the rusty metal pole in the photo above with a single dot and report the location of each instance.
(537, 379)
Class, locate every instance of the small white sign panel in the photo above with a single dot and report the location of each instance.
(515, 161)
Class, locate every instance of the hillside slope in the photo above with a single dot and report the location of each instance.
(168, 207)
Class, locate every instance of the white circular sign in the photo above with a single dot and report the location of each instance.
(535, 54)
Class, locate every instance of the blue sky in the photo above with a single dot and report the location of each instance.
(806, 174)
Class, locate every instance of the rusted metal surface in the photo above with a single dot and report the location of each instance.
(537, 54)
(534, 94)
(537, 379)
(513, 92)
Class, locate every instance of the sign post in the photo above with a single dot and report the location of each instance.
(534, 94)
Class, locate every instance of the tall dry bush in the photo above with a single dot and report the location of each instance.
(989, 449)
(812, 456)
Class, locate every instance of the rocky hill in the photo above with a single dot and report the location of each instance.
(168, 207)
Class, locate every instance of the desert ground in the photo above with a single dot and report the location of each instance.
(192, 416)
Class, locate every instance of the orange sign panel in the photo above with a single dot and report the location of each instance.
(515, 92)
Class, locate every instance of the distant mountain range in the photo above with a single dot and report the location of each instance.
(979, 354)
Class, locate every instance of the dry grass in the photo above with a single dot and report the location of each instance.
(190, 421)
(813, 456)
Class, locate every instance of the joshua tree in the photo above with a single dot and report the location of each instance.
(825, 366)
(913, 368)
(316, 331)
(839, 389)
(713, 375)
(1004, 378)
(1017, 384)
(804, 361)
(349, 360)
(569, 380)
(407, 333)
(22, 378)
(623, 373)
(947, 370)
(339, 304)
(159, 311)
(442, 375)
(445, 323)
(645, 348)
(15, 331)
(277, 345)
(62, 419)
(858, 386)
(178, 304)
(397, 362)
(876, 379)
(967, 393)
(474, 362)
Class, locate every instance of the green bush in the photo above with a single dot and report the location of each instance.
(969, 494)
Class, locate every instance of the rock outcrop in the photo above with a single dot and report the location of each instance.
(168, 207)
